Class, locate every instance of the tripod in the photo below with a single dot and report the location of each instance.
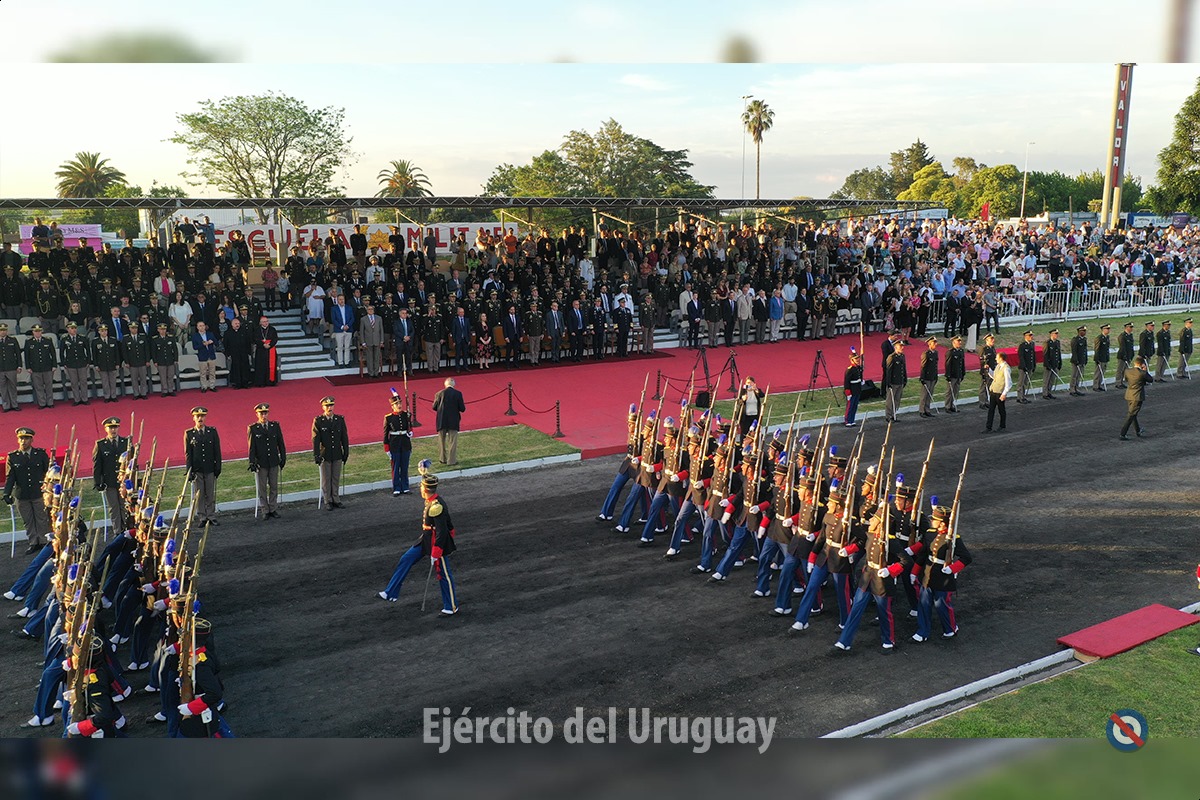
(702, 361)
(735, 374)
(819, 366)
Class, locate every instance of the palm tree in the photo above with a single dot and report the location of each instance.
(87, 175)
(758, 118)
(403, 179)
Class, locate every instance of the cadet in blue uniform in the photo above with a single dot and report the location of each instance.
(942, 557)
(436, 542)
(397, 443)
(27, 466)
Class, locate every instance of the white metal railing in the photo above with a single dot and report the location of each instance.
(1049, 306)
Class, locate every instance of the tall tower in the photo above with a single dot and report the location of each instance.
(1118, 143)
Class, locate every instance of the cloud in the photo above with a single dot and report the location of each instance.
(644, 82)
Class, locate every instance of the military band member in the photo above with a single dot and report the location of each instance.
(1052, 363)
(1185, 350)
(202, 457)
(135, 352)
(436, 542)
(1124, 353)
(896, 375)
(935, 574)
(397, 443)
(1163, 352)
(106, 358)
(10, 366)
(1079, 359)
(27, 467)
(929, 376)
(106, 468)
(331, 450)
(1101, 347)
(832, 555)
(41, 360)
(164, 351)
(987, 361)
(956, 370)
(268, 456)
(76, 359)
(1026, 364)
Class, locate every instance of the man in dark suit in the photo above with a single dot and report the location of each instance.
(598, 322)
(555, 328)
(1136, 378)
(695, 315)
(460, 331)
(577, 323)
(514, 329)
(405, 336)
(204, 310)
(729, 317)
(449, 406)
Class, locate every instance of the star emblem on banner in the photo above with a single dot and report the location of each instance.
(378, 239)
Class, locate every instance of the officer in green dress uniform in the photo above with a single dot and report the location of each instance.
(202, 451)
(268, 455)
(41, 360)
(10, 366)
(106, 358)
(106, 468)
(164, 350)
(27, 467)
(76, 360)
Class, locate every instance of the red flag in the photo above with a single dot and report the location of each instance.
(985, 213)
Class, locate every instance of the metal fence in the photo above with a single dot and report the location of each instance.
(1131, 301)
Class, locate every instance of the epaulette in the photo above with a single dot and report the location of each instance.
(435, 509)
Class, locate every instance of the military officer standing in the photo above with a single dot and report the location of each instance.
(1146, 344)
(437, 542)
(76, 359)
(1052, 362)
(535, 329)
(135, 352)
(27, 466)
(106, 358)
(956, 370)
(1079, 359)
(1101, 347)
(268, 456)
(164, 350)
(106, 467)
(1124, 353)
(397, 443)
(331, 450)
(1026, 364)
(10, 366)
(40, 360)
(929, 376)
(1164, 351)
(202, 450)
(896, 375)
(935, 573)
(1185, 350)
(987, 362)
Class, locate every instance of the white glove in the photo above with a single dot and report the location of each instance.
(184, 711)
(812, 537)
(432, 560)
(725, 517)
(947, 571)
(674, 478)
(160, 605)
(635, 461)
(148, 588)
(697, 484)
(842, 552)
(912, 578)
(908, 550)
(787, 523)
(63, 638)
(724, 503)
(883, 572)
(808, 567)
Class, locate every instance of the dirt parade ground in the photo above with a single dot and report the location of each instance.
(1068, 527)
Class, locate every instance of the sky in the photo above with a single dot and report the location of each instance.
(458, 121)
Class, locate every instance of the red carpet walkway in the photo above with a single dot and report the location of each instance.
(594, 398)
(1127, 631)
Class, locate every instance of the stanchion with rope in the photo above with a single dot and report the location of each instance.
(558, 434)
(658, 385)
(510, 412)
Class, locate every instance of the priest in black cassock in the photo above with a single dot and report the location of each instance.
(237, 354)
(266, 357)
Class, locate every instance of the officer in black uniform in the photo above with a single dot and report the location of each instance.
(1146, 344)
(76, 359)
(164, 351)
(1185, 350)
(1101, 347)
(106, 358)
(1164, 352)
(622, 317)
(40, 360)
(268, 456)
(106, 467)
(331, 450)
(987, 363)
(929, 376)
(1124, 353)
(1079, 359)
(27, 466)
(1052, 362)
(135, 352)
(202, 457)
(956, 370)
(10, 367)
(1026, 364)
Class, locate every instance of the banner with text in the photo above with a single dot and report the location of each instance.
(264, 239)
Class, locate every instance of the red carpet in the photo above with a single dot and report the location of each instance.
(595, 397)
(1127, 631)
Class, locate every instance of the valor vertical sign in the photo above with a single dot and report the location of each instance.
(1118, 144)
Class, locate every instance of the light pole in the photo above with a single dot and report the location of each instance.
(1025, 178)
(745, 97)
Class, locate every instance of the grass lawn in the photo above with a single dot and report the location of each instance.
(1157, 679)
(368, 463)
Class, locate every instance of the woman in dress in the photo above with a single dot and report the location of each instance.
(483, 346)
(181, 315)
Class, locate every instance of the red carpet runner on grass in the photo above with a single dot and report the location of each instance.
(595, 396)
(1127, 631)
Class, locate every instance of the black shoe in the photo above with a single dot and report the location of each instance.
(337, 505)
(1001, 430)
(213, 522)
(987, 430)
(1124, 438)
(21, 634)
(1141, 433)
(33, 547)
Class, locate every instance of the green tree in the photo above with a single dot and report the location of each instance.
(758, 119)
(965, 168)
(267, 146)
(87, 175)
(124, 221)
(999, 186)
(868, 183)
(141, 47)
(927, 182)
(907, 162)
(1178, 187)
